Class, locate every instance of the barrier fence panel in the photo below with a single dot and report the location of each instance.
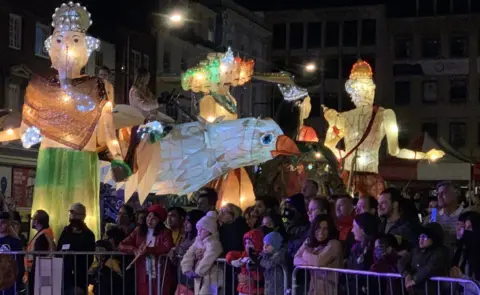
(330, 281)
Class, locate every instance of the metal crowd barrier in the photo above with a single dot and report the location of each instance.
(332, 281)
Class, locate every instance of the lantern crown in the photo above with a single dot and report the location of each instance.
(71, 17)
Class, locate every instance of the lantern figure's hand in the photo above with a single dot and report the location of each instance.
(434, 154)
(330, 115)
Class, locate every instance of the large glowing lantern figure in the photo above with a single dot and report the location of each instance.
(363, 130)
(70, 116)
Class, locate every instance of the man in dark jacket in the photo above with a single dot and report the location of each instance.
(10, 243)
(76, 237)
(405, 230)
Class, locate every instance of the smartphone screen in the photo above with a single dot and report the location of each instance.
(434, 215)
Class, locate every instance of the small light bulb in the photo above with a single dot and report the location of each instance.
(10, 131)
(66, 98)
(199, 76)
(394, 128)
(210, 119)
(115, 142)
(318, 155)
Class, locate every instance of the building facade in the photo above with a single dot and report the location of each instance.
(433, 77)
(333, 39)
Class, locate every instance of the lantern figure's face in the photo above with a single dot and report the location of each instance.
(362, 91)
(68, 51)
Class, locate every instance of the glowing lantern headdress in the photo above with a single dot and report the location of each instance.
(360, 85)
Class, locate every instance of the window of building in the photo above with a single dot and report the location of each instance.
(41, 34)
(296, 35)
(347, 63)
(458, 134)
(350, 36)
(443, 7)
(402, 93)
(183, 64)
(431, 47)
(314, 35)
(406, 8)
(331, 100)
(166, 62)
(426, 7)
(331, 68)
(15, 31)
(279, 36)
(136, 60)
(460, 6)
(458, 90)
(13, 99)
(146, 61)
(458, 46)
(431, 129)
(369, 32)
(211, 29)
(332, 37)
(403, 46)
(475, 6)
(430, 91)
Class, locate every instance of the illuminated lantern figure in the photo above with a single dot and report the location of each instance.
(363, 130)
(213, 77)
(71, 116)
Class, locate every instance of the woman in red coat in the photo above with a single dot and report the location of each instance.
(151, 242)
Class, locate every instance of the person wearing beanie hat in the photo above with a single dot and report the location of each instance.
(271, 259)
(148, 242)
(368, 223)
(198, 263)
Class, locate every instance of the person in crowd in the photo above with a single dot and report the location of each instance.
(296, 225)
(365, 231)
(115, 236)
(251, 217)
(250, 279)
(76, 237)
(272, 259)
(432, 203)
(104, 73)
(450, 209)
(198, 263)
(105, 274)
(385, 257)
(175, 222)
(42, 241)
(466, 260)
(429, 259)
(232, 227)
(11, 243)
(366, 204)
(148, 242)
(321, 249)
(265, 205)
(309, 189)
(207, 199)
(16, 227)
(190, 233)
(141, 98)
(141, 216)
(393, 222)
(126, 219)
(317, 206)
(345, 215)
(272, 222)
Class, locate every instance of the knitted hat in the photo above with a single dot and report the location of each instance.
(368, 223)
(275, 239)
(209, 222)
(298, 202)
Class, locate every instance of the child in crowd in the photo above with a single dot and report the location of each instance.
(250, 279)
(105, 274)
(272, 258)
(198, 263)
(430, 259)
(385, 258)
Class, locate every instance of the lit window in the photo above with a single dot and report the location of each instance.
(15, 31)
(41, 34)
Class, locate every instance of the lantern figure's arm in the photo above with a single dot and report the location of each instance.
(335, 131)
(391, 130)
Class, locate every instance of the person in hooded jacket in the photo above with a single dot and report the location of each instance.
(429, 259)
(297, 224)
(250, 279)
(272, 259)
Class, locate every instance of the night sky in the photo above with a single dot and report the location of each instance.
(305, 4)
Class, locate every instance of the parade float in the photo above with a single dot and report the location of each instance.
(284, 176)
(362, 130)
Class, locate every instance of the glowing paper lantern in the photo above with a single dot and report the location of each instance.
(363, 129)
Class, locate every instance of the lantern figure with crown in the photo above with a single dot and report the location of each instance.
(71, 117)
(363, 130)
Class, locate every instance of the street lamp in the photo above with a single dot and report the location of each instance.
(176, 18)
(310, 67)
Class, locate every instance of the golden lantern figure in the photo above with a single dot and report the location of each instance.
(363, 129)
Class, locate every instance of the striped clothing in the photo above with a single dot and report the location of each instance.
(449, 224)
